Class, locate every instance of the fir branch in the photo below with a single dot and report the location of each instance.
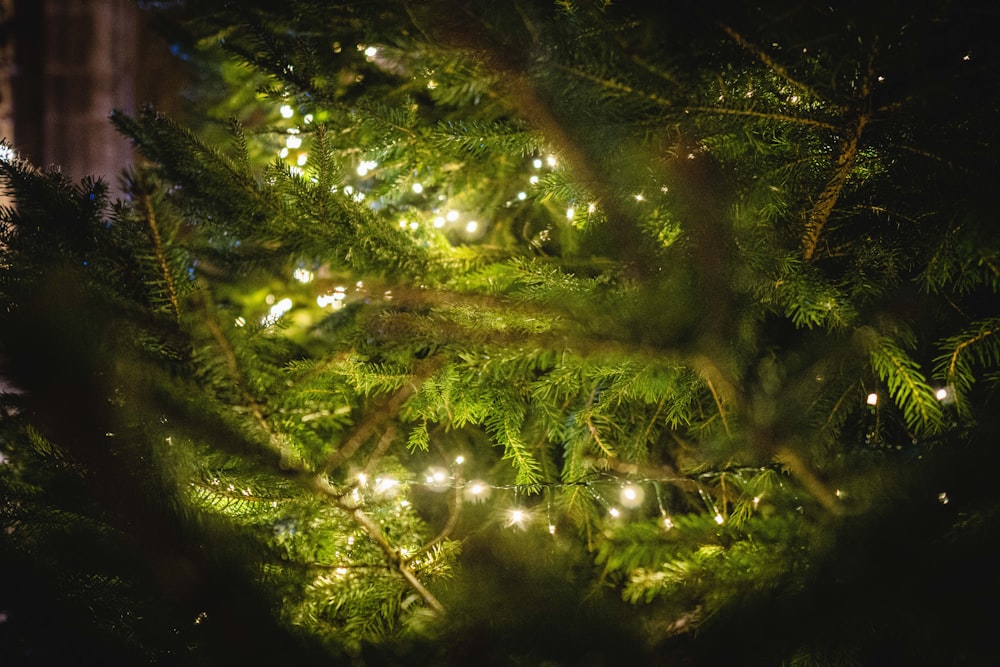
(771, 63)
(161, 256)
(763, 115)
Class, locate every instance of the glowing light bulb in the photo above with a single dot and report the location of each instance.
(362, 479)
(417, 188)
(283, 153)
(551, 160)
(293, 141)
(719, 519)
(287, 111)
(536, 163)
(459, 460)
(522, 195)
(570, 213)
(533, 180)
(614, 512)
(471, 226)
(302, 159)
(872, 399)
(451, 216)
(631, 496)
(552, 529)
(371, 52)
(476, 489)
(668, 522)
(439, 222)
(308, 118)
(941, 394)
(516, 517)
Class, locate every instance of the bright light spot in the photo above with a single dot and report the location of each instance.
(591, 208)
(533, 180)
(459, 460)
(756, 500)
(302, 159)
(308, 118)
(240, 322)
(295, 171)
(537, 163)
(967, 57)
(6, 153)
(439, 222)
(451, 216)
(303, 275)
(570, 213)
(551, 160)
(516, 517)
(283, 153)
(668, 523)
(614, 512)
(872, 399)
(881, 79)
(522, 195)
(402, 224)
(277, 310)
(471, 226)
(293, 141)
(719, 519)
(794, 99)
(414, 226)
(439, 476)
(943, 394)
(366, 166)
(476, 489)
(341, 571)
(371, 52)
(432, 84)
(404, 503)
(417, 188)
(943, 498)
(552, 529)
(639, 197)
(632, 496)
(362, 479)
(287, 111)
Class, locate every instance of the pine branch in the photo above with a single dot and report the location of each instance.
(161, 257)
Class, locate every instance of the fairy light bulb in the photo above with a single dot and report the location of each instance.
(287, 111)
(631, 496)
(872, 399)
(718, 518)
(516, 517)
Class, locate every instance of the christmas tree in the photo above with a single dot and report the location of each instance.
(519, 333)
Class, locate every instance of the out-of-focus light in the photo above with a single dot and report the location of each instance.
(293, 141)
(371, 52)
(537, 163)
(302, 159)
(417, 188)
(471, 226)
(287, 111)
(719, 519)
(451, 216)
(439, 222)
(872, 399)
(303, 275)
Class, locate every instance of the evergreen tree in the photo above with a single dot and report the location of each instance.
(520, 333)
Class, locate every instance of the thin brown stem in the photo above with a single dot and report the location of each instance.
(161, 255)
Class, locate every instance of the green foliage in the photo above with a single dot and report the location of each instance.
(678, 287)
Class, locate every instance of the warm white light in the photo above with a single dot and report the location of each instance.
(451, 216)
(551, 160)
(366, 166)
(639, 198)
(471, 226)
(277, 310)
(668, 522)
(303, 275)
(719, 519)
(308, 118)
(439, 222)
(414, 226)
(872, 399)
(385, 484)
(283, 153)
(522, 195)
(533, 180)
(941, 394)
(302, 159)
(943, 498)
(631, 496)
(459, 460)
(362, 479)
(240, 322)
(287, 111)
(417, 188)
(476, 489)
(6, 153)
(552, 529)
(516, 517)
(371, 52)
(570, 213)
(614, 512)
(537, 163)
(293, 141)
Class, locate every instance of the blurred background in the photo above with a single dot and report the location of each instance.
(64, 66)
